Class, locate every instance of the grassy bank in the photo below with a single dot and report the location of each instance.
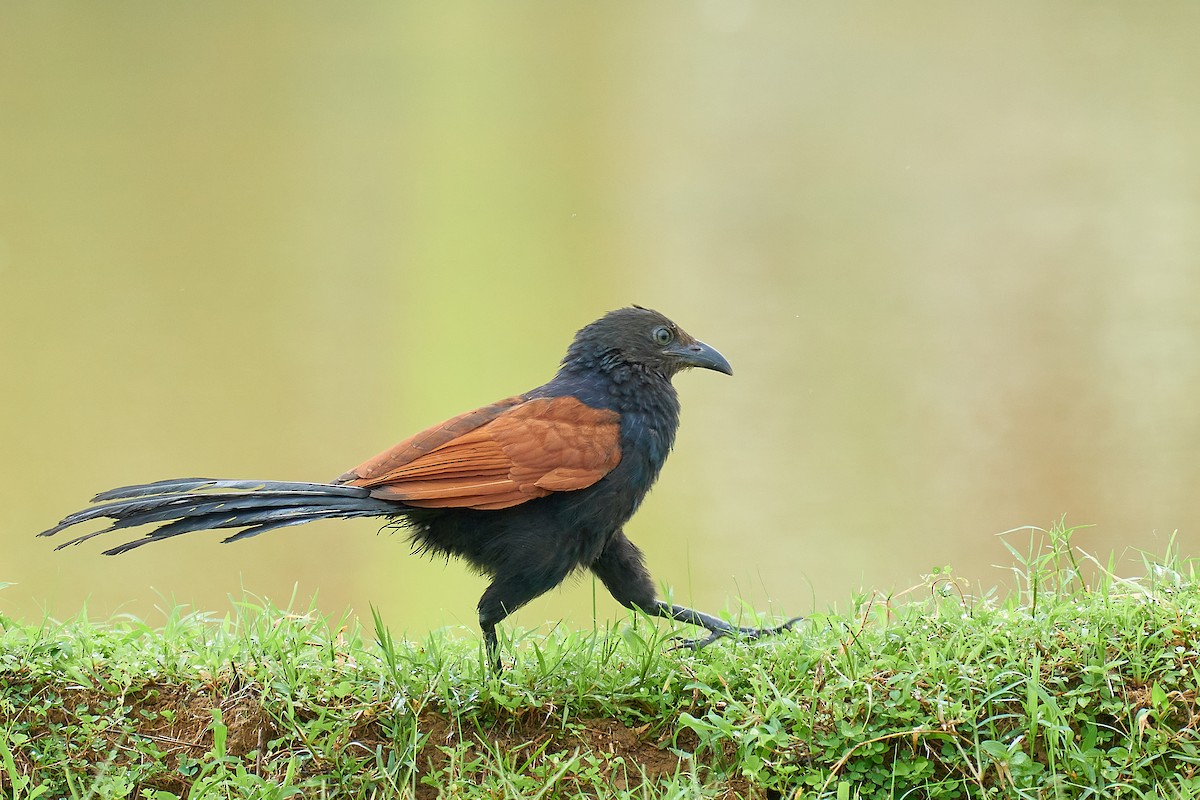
(1077, 683)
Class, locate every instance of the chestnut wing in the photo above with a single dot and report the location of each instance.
(499, 456)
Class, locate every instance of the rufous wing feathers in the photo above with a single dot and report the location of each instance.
(497, 456)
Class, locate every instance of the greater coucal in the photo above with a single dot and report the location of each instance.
(527, 490)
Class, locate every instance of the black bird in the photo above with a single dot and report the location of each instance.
(527, 490)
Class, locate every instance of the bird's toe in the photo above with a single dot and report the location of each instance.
(683, 643)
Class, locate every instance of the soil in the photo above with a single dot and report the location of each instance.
(179, 721)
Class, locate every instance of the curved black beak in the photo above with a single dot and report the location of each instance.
(698, 354)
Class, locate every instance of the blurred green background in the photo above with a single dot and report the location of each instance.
(952, 251)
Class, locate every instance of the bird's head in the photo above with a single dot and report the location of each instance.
(641, 337)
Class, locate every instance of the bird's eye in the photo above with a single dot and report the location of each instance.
(663, 335)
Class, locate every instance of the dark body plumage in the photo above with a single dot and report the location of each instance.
(527, 490)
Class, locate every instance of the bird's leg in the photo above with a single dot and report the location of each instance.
(507, 594)
(491, 645)
(491, 612)
(622, 569)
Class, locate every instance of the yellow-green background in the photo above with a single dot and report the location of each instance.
(951, 249)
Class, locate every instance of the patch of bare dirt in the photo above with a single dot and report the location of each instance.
(178, 720)
(626, 754)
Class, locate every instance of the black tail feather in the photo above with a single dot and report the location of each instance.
(181, 485)
(144, 510)
(195, 504)
(284, 523)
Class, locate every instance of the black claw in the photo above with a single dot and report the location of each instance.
(696, 644)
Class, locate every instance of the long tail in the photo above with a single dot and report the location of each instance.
(197, 504)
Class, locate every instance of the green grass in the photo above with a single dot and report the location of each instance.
(1077, 683)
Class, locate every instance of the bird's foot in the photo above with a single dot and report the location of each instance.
(683, 643)
(715, 633)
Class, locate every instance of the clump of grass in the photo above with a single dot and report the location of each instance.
(1077, 683)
